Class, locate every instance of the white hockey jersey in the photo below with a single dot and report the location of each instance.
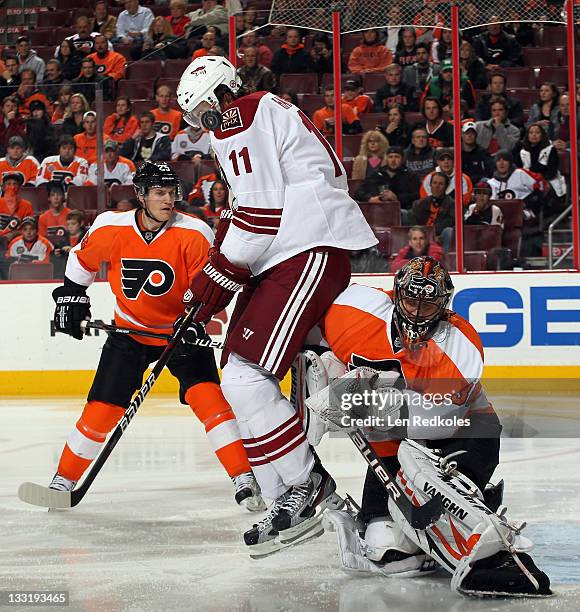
(518, 186)
(121, 174)
(290, 189)
(183, 143)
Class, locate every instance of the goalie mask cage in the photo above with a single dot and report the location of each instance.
(429, 18)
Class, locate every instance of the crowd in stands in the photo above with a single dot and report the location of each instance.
(119, 69)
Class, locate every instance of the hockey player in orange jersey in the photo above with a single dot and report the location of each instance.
(422, 365)
(152, 254)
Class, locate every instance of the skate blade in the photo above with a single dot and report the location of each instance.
(497, 594)
(291, 535)
(34, 494)
(266, 549)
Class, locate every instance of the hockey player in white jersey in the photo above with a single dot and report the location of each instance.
(287, 245)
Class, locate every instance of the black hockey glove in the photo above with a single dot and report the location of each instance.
(73, 305)
(194, 331)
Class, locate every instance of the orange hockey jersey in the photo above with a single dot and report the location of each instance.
(167, 124)
(148, 273)
(87, 146)
(358, 328)
(113, 64)
(28, 167)
(76, 173)
(11, 216)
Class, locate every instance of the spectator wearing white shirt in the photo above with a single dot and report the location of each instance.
(133, 22)
(118, 170)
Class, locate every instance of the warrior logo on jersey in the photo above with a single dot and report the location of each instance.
(153, 276)
(231, 119)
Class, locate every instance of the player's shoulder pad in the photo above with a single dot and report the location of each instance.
(466, 340)
(112, 218)
(372, 300)
(191, 222)
(240, 115)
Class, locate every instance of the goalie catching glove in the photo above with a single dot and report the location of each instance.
(215, 285)
(73, 306)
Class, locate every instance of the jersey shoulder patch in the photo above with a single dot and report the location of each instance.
(239, 116)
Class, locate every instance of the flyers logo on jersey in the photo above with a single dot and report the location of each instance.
(153, 276)
(231, 119)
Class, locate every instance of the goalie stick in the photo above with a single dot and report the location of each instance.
(203, 342)
(38, 495)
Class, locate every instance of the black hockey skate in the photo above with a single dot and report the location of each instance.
(501, 576)
(248, 492)
(262, 538)
(301, 513)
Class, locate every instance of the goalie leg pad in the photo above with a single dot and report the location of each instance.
(467, 533)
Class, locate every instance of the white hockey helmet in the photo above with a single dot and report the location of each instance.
(196, 89)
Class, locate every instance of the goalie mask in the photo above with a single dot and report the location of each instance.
(197, 86)
(422, 291)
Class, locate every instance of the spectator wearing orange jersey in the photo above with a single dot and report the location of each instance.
(353, 96)
(13, 208)
(178, 20)
(107, 63)
(208, 40)
(17, 162)
(86, 141)
(167, 119)
(323, 118)
(370, 56)
(52, 222)
(122, 124)
(29, 247)
(28, 92)
(66, 167)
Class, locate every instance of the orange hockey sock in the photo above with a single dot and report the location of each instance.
(209, 405)
(87, 438)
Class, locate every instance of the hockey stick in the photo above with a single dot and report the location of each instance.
(419, 517)
(203, 342)
(38, 495)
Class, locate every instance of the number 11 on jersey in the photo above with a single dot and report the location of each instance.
(244, 154)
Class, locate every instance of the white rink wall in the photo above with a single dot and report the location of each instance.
(529, 323)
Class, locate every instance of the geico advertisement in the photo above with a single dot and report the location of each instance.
(523, 319)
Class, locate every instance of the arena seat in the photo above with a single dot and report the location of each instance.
(384, 238)
(473, 261)
(528, 97)
(273, 42)
(554, 37)
(347, 167)
(480, 237)
(121, 192)
(540, 56)
(44, 37)
(170, 82)
(520, 77)
(83, 197)
(353, 185)
(310, 102)
(513, 220)
(556, 74)
(328, 79)
(206, 166)
(299, 83)
(145, 71)
(373, 80)
(124, 50)
(186, 170)
(46, 53)
(564, 162)
(53, 19)
(173, 69)
(371, 121)
(400, 236)
(90, 216)
(350, 144)
(385, 214)
(30, 271)
(135, 89)
(37, 196)
(140, 106)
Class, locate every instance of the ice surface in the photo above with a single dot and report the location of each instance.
(159, 529)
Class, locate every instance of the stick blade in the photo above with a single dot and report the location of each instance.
(422, 516)
(37, 495)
